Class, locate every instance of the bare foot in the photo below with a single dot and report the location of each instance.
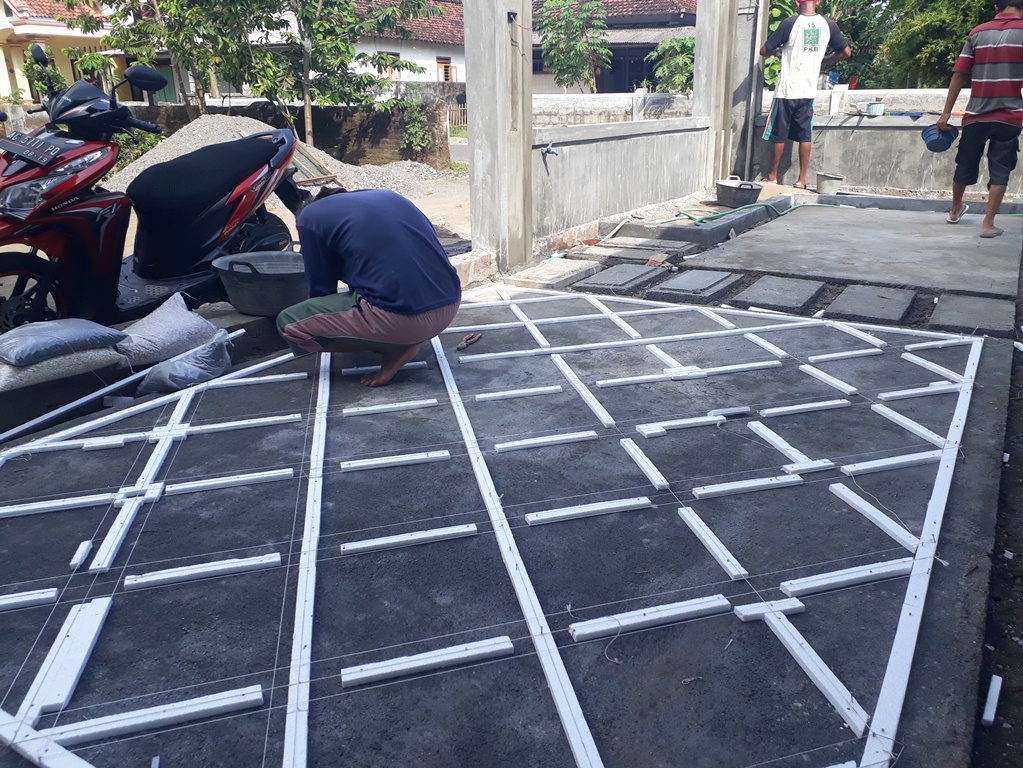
(390, 365)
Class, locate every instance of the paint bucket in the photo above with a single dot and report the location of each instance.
(829, 183)
(871, 108)
(263, 283)
(733, 192)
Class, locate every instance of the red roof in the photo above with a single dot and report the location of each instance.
(446, 28)
(622, 10)
(50, 9)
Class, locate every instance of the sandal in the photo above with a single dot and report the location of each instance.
(797, 185)
(949, 218)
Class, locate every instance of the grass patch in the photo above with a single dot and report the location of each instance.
(459, 167)
(459, 131)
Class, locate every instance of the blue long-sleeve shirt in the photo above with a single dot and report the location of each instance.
(381, 246)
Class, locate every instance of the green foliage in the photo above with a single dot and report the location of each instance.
(417, 138)
(778, 12)
(43, 78)
(675, 64)
(16, 96)
(90, 64)
(132, 150)
(573, 40)
(457, 167)
(459, 131)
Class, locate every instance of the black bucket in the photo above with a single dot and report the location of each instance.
(263, 283)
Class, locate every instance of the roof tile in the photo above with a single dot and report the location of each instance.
(446, 28)
(50, 9)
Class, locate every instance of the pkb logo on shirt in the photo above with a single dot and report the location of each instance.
(811, 40)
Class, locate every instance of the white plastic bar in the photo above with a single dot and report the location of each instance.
(233, 481)
(801, 467)
(584, 392)
(738, 410)
(115, 536)
(513, 393)
(820, 673)
(202, 571)
(746, 486)
(741, 367)
(933, 367)
(80, 554)
(847, 577)
(991, 703)
(765, 344)
(777, 441)
(27, 599)
(934, 388)
(37, 749)
(664, 357)
(271, 379)
(543, 442)
(482, 327)
(908, 424)
(686, 374)
(652, 378)
(658, 428)
(530, 326)
(395, 461)
(375, 368)
(55, 682)
(861, 335)
(657, 480)
(657, 616)
(848, 355)
(296, 726)
(713, 544)
(588, 510)
(958, 342)
(228, 426)
(388, 408)
(893, 462)
(757, 611)
(56, 505)
(789, 410)
(614, 318)
(577, 730)
(156, 717)
(723, 322)
(407, 539)
(827, 378)
(876, 516)
(424, 662)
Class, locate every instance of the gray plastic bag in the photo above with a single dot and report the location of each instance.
(201, 364)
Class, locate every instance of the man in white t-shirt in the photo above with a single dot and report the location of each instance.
(803, 41)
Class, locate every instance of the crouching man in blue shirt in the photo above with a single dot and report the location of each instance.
(402, 289)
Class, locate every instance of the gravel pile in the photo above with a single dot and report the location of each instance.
(405, 177)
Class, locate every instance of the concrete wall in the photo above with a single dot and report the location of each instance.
(601, 170)
(418, 52)
(587, 109)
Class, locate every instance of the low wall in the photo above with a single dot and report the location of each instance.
(588, 108)
(603, 170)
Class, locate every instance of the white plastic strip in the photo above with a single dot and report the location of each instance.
(764, 344)
(777, 441)
(739, 410)
(37, 749)
(848, 355)
(827, 378)
(991, 703)
(296, 726)
(789, 410)
(395, 461)
(893, 462)
(202, 571)
(513, 393)
(543, 442)
(375, 368)
(388, 408)
(876, 516)
(657, 616)
(861, 335)
(588, 510)
(530, 326)
(80, 554)
(424, 662)
(27, 599)
(657, 480)
(55, 682)
(686, 373)
(584, 392)
(958, 342)
(228, 426)
(757, 611)
(156, 717)
(577, 731)
(716, 318)
(746, 486)
(713, 544)
(740, 367)
(652, 378)
(908, 424)
(56, 505)
(847, 577)
(934, 388)
(115, 536)
(813, 665)
(233, 481)
(407, 539)
(272, 379)
(933, 367)
(614, 318)
(658, 428)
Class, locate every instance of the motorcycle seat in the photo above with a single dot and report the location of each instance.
(199, 179)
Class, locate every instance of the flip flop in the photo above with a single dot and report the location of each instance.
(949, 218)
(996, 233)
(797, 185)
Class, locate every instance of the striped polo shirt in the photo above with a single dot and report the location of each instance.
(993, 57)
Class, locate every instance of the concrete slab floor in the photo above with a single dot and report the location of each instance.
(505, 447)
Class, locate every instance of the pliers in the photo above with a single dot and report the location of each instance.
(470, 338)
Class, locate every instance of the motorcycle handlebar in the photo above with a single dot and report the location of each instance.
(33, 111)
(142, 125)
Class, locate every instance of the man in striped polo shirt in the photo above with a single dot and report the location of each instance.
(993, 59)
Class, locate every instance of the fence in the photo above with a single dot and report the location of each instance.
(458, 116)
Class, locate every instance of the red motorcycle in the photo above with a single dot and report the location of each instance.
(190, 210)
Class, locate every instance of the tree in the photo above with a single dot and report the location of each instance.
(674, 64)
(573, 40)
(865, 24)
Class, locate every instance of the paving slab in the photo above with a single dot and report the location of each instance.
(554, 273)
(610, 251)
(871, 304)
(621, 277)
(784, 294)
(696, 285)
(905, 249)
(972, 314)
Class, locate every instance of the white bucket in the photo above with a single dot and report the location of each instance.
(829, 183)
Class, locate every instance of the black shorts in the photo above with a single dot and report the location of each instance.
(790, 120)
(1002, 142)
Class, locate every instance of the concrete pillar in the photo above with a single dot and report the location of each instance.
(713, 79)
(499, 66)
(748, 94)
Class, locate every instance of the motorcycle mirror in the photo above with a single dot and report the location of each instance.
(144, 78)
(39, 55)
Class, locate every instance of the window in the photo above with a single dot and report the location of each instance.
(392, 74)
(446, 73)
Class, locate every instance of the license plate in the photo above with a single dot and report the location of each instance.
(29, 147)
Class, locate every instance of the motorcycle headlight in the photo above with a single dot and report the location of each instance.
(20, 200)
(80, 164)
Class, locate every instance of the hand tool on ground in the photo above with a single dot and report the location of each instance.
(470, 338)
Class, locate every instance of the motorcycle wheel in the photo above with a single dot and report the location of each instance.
(20, 278)
(257, 238)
